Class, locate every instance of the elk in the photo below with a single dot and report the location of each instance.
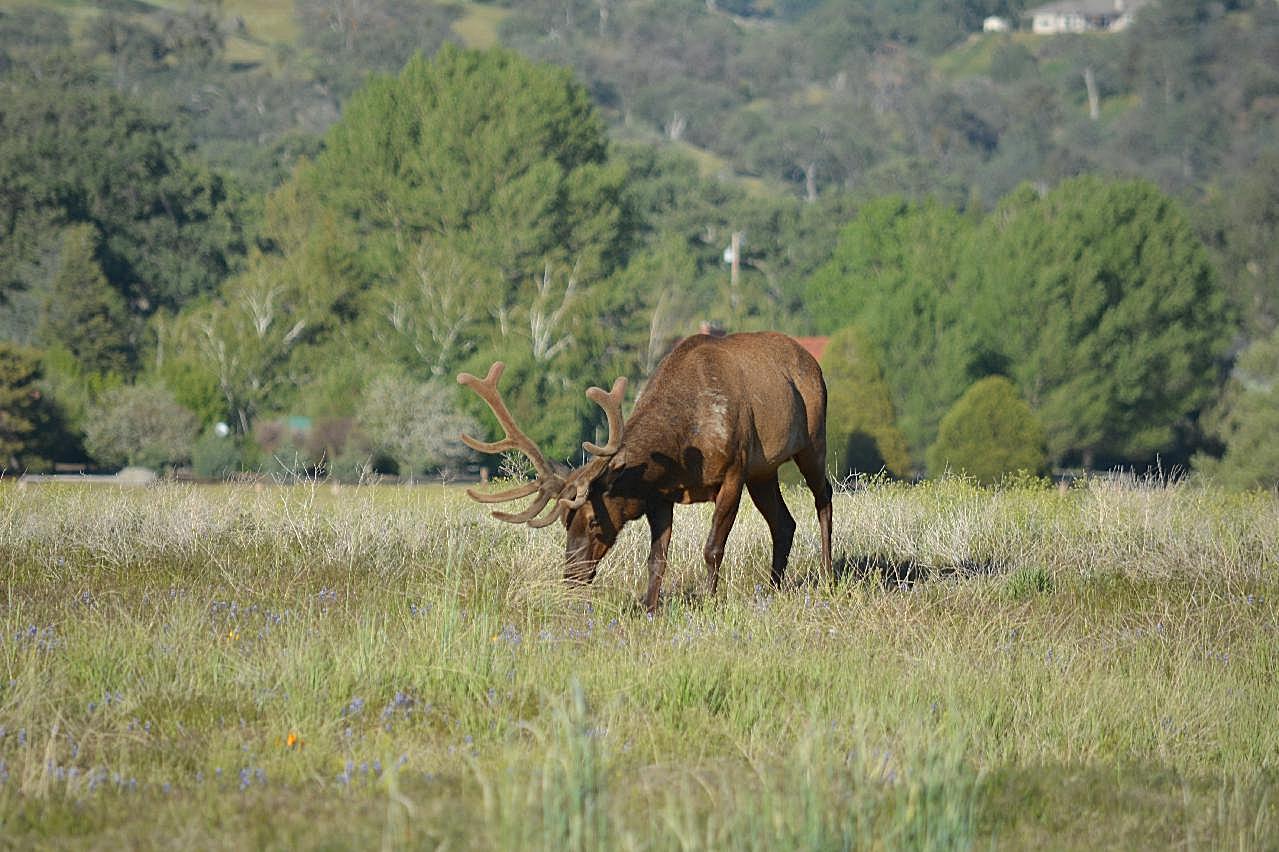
(720, 414)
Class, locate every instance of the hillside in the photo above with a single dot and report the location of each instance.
(807, 94)
(153, 152)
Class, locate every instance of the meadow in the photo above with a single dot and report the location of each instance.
(307, 666)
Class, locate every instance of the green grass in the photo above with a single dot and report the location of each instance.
(1088, 669)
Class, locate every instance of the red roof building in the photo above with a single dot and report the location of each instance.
(815, 345)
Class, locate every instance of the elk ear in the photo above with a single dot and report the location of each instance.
(618, 461)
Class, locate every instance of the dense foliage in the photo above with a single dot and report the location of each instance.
(266, 212)
(19, 403)
(1096, 297)
(142, 426)
(73, 151)
(1101, 300)
(893, 273)
(1247, 421)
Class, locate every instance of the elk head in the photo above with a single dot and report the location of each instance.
(591, 520)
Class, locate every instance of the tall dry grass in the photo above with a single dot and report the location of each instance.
(304, 666)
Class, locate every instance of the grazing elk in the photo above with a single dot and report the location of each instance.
(720, 414)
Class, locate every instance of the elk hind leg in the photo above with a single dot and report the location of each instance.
(767, 497)
(812, 464)
(726, 503)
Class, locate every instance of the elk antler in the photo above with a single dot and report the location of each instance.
(611, 402)
(515, 438)
(581, 480)
(550, 479)
(552, 482)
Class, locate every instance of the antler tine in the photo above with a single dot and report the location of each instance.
(528, 514)
(551, 518)
(611, 402)
(503, 496)
(515, 438)
(581, 487)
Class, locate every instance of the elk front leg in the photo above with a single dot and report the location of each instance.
(660, 517)
(726, 503)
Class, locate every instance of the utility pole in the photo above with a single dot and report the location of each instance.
(735, 269)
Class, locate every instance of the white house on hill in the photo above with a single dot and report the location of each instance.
(1080, 16)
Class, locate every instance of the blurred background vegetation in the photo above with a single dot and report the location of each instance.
(291, 217)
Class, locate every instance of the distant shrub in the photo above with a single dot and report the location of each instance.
(290, 458)
(284, 451)
(1011, 62)
(139, 426)
(353, 465)
(415, 423)
(217, 456)
(330, 437)
(990, 432)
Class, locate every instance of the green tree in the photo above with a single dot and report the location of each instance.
(501, 160)
(216, 456)
(1242, 223)
(140, 425)
(82, 313)
(246, 342)
(893, 274)
(1247, 421)
(363, 36)
(466, 206)
(19, 404)
(1104, 304)
(989, 433)
(861, 426)
(75, 151)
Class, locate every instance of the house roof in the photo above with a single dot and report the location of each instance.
(1087, 7)
(815, 345)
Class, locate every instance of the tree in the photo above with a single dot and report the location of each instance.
(246, 342)
(1242, 222)
(82, 312)
(140, 425)
(502, 160)
(363, 36)
(415, 423)
(989, 433)
(893, 274)
(75, 151)
(1247, 421)
(861, 428)
(19, 403)
(194, 37)
(1104, 304)
(129, 47)
(466, 206)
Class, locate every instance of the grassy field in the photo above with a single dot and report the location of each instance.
(384, 666)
